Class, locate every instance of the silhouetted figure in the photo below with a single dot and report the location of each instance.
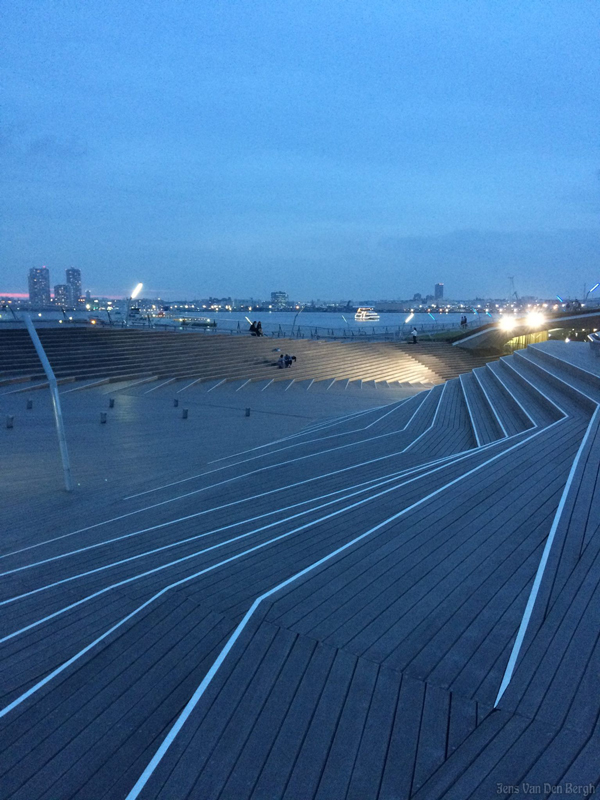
(413, 333)
(259, 330)
(281, 361)
(253, 330)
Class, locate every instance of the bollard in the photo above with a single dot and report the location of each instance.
(247, 412)
(103, 417)
(10, 421)
(29, 404)
(176, 402)
(111, 402)
(184, 413)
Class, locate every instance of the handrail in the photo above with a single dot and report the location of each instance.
(396, 332)
(58, 419)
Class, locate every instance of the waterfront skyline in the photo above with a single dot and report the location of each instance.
(330, 150)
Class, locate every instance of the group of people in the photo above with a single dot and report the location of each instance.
(464, 321)
(256, 329)
(285, 360)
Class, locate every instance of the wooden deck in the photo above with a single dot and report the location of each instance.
(329, 615)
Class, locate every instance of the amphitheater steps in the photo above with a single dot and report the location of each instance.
(510, 416)
(110, 353)
(531, 409)
(585, 381)
(484, 421)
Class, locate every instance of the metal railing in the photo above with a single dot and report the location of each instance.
(398, 332)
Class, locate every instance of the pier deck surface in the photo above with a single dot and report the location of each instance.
(332, 608)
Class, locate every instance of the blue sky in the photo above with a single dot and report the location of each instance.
(329, 149)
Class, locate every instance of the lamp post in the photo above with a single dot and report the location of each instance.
(295, 318)
(593, 289)
(133, 296)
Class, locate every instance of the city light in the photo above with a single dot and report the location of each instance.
(136, 291)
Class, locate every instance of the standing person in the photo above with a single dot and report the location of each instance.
(413, 333)
(253, 329)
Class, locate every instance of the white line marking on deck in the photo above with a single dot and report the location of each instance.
(193, 702)
(235, 557)
(514, 655)
(473, 426)
(490, 403)
(320, 477)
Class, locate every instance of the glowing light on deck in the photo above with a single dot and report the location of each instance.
(535, 318)
(507, 323)
(408, 319)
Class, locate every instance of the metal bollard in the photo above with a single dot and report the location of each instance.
(10, 421)
(111, 402)
(29, 405)
(184, 413)
(176, 402)
(247, 412)
(103, 417)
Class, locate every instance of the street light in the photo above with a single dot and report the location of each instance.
(593, 289)
(133, 296)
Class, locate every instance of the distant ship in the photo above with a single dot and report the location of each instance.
(366, 315)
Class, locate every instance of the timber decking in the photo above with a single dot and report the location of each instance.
(394, 558)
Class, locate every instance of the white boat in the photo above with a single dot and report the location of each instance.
(366, 315)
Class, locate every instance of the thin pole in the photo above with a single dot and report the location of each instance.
(60, 428)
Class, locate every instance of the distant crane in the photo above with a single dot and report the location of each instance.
(513, 291)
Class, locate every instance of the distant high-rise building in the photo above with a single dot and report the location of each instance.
(439, 291)
(39, 287)
(417, 296)
(279, 298)
(74, 282)
(62, 294)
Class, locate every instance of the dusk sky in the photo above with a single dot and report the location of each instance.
(327, 149)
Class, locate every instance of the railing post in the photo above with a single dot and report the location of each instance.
(60, 429)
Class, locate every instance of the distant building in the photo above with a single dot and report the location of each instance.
(279, 298)
(74, 282)
(39, 287)
(439, 291)
(62, 294)
(417, 296)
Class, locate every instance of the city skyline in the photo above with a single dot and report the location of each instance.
(202, 149)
